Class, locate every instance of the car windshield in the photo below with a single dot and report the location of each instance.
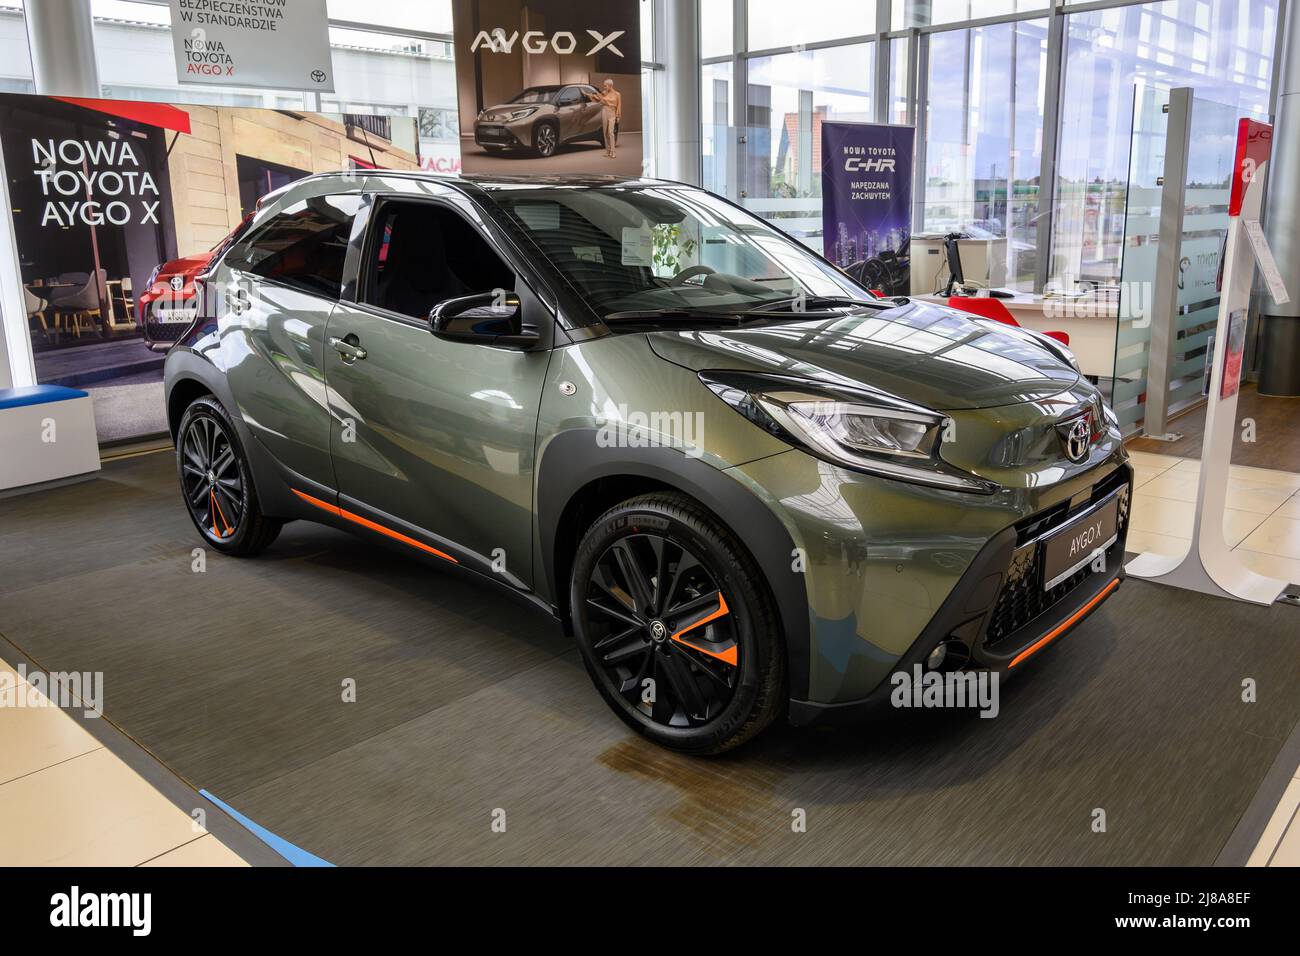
(538, 94)
(670, 249)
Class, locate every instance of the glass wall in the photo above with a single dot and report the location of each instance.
(718, 139)
(788, 97)
(985, 114)
(1221, 48)
(984, 137)
(775, 24)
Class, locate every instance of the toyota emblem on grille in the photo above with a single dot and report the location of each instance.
(1076, 435)
(178, 283)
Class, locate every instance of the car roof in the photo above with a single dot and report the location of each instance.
(478, 182)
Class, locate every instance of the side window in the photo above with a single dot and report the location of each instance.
(570, 96)
(423, 254)
(303, 246)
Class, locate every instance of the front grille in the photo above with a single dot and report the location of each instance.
(168, 332)
(1023, 599)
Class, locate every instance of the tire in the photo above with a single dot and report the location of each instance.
(546, 139)
(727, 645)
(217, 482)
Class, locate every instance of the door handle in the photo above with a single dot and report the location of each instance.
(351, 351)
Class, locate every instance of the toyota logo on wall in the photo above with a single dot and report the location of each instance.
(1076, 436)
(319, 76)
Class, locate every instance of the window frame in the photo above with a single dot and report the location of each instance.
(258, 229)
(366, 234)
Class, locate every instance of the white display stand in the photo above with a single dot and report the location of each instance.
(47, 433)
(1209, 566)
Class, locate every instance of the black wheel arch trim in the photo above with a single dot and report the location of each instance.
(573, 459)
(185, 365)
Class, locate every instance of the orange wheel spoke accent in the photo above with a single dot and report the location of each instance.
(727, 656)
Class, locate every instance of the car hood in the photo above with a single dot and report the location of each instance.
(924, 353)
(186, 264)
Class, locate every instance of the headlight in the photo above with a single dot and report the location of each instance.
(871, 432)
(857, 428)
(153, 277)
(520, 114)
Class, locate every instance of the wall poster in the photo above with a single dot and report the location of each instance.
(119, 205)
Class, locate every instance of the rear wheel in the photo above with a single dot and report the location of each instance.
(675, 625)
(217, 484)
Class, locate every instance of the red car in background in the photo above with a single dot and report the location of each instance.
(168, 303)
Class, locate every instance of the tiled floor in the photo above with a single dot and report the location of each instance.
(1280, 844)
(67, 801)
(1261, 521)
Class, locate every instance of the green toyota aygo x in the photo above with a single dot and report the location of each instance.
(748, 487)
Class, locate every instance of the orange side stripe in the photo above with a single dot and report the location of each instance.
(729, 655)
(323, 505)
(1061, 628)
(373, 526)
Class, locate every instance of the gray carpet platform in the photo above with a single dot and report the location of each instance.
(469, 702)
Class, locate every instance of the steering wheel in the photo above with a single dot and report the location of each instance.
(690, 272)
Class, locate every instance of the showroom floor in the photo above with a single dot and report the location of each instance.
(65, 799)
(470, 709)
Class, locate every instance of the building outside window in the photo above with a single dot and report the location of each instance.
(984, 139)
(982, 124)
(1221, 48)
(789, 97)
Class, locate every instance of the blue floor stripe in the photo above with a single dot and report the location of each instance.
(295, 855)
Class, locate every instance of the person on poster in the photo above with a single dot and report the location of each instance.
(611, 101)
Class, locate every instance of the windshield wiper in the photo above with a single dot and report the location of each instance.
(814, 302)
(656, 315)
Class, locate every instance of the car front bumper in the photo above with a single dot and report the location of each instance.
(892, 570)
(509, 135)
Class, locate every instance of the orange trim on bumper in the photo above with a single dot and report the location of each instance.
(373, 526)
(1064, 626)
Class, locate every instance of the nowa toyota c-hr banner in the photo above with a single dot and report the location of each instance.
(549, 86)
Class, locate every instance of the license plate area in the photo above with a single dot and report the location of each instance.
(1075, 544)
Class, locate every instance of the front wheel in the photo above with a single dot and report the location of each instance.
(217, 482)
(676, 626)
(546, 139)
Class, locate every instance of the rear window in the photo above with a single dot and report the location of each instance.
(304, 245)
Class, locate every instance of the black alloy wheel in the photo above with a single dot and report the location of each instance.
(210, 478)
(658, 615)
(676, 624)
(217, 482)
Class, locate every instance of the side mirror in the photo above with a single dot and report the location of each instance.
(485, 318)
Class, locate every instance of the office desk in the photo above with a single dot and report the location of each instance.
(1089, 321)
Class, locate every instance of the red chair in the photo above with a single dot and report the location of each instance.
(991, 308)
